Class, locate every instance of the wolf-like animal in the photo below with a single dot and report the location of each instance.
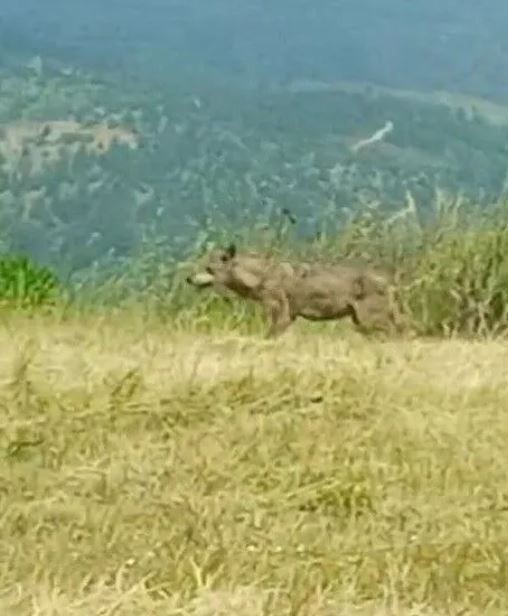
(313, 291)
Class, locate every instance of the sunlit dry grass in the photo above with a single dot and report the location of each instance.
(147, 471)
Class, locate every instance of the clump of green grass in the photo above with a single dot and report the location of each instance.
(156, 471)
(25, 284)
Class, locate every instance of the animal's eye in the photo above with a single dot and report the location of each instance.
(209, 270)
(224, 258)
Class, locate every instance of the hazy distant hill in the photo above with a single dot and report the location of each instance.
(458, 45)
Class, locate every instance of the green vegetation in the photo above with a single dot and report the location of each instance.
(24, 284)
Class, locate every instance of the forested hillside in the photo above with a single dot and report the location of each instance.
(92, 167)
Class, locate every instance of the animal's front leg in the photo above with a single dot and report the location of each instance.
(278, 314)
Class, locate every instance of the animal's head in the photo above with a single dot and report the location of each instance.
(225, 268)
(216, 269)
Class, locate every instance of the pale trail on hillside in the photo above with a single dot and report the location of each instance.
(379, 135)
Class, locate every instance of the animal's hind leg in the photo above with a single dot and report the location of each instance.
(373, 316)
(359, 317)
(401, 324)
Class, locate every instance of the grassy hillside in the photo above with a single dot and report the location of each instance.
(153, 469)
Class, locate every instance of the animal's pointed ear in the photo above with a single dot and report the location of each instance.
(231, 250)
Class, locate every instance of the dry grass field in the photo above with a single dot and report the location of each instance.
(151, 472)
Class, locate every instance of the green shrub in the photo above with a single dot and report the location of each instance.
(460, 286)
(25, 284)
(451, 267)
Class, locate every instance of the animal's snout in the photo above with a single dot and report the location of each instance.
(202, 279)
